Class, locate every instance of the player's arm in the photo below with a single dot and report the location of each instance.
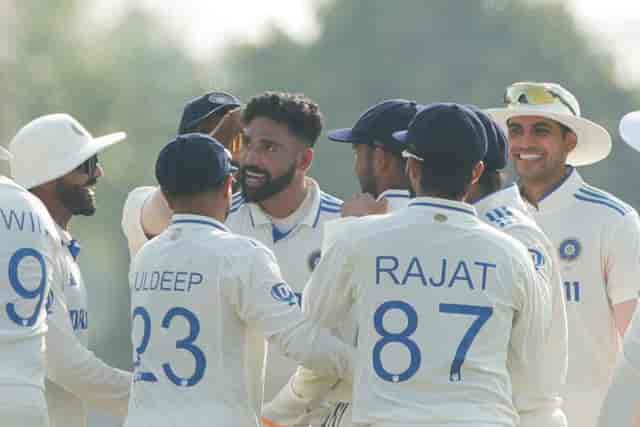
(622, 268)
(145, 214)
(268, 304)
(622, 401)
(327, 298)
(73, 367)
(527, 364)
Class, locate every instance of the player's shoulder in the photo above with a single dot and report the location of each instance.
(505, 217)
(329, 207)
(18, 204)
(601, 203)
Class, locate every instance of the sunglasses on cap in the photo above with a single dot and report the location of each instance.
(535, 94)
(89, 166)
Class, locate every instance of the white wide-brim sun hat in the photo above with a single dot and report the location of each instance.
(593, 141)
(4, 154)
(52, 146)
(630, 129)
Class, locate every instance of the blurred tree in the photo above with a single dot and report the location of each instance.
(434, 50)
(130, 77)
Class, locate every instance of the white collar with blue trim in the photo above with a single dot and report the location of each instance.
(561, 195)
(508, 196)
(260, 217)
(190, 220)
(396, 198)
(450, 208)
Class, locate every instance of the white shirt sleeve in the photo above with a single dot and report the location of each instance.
(77, 369)
(132, 218)
(555, 356)
(622, 400)
(529, 372)
(267, 303)
(622, 259)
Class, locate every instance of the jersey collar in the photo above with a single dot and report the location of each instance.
(259, 217)
(442, 209)
(561, 195)
(396, 198)
(508, 196)
(197, 221)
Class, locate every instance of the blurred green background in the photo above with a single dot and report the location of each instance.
(135, 76)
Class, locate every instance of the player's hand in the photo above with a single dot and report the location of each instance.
(364, 204)
(266, 422)
(229, 130)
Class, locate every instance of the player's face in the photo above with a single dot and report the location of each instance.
(76, 190)
(363, 168)
(539, 148)
(270, 159)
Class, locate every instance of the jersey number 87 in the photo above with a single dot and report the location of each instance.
(481, 313)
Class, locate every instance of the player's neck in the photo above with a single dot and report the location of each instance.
(58, 211)
(205, 204)
(535, 190)
(286, 202)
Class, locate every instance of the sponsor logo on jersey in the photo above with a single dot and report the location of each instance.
(538, 258)
(282, 292)
(570, 249)
(314, 259)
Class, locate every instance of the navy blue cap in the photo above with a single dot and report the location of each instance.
(204, 106)
(192, 163)
(497, 143)
(443, 132)
(378, 124)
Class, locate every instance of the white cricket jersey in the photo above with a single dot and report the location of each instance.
(506, 211)
(297, 251)
(30, 262)
(449, 310)
(597, 239)
(75, 375)
(203, 301)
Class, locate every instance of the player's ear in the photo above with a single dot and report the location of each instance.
(306, 159)
(477, 172)
(414, 173)
(227, 187)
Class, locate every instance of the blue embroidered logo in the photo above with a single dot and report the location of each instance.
(570, 249)
(282, 292)
(538, 258)
(314, 259)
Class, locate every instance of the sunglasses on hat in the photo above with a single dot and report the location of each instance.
(536, 94)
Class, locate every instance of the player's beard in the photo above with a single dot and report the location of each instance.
(78, 199)
(271, 186)
(368, 184)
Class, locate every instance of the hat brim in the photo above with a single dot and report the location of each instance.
(401, 136)
(343, 135)
(186, 128)
(594, 142)
(5, 154)
(629, 129)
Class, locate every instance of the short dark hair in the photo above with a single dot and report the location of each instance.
(299, 113)
(490, 181)
(446, 180)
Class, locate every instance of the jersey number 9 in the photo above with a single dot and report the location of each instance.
(37, 294)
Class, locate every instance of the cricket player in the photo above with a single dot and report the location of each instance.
(449, 309)
(598, 254)
(279, 205)
(199, 295)
(379, 167)
(30, 260)
(55, 158)
(622, 401)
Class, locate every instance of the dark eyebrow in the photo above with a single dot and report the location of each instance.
(513, 125)
(542, 125)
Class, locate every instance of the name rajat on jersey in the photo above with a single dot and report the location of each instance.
(167, 281)
(437, 273)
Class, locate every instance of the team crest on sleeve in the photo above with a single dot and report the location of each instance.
(314, 259)
(570, 249)
(282, 292)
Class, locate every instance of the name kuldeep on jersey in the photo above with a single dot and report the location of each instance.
(176, 281)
